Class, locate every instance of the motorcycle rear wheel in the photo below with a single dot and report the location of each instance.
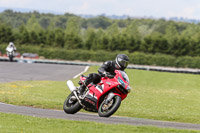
(111, 109)
(71, 107)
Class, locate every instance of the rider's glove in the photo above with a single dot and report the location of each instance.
(107, 74)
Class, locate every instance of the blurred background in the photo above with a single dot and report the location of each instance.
(163, 33)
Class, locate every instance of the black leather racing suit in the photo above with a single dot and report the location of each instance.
(108, 66)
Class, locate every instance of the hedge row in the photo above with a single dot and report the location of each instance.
(100, 56)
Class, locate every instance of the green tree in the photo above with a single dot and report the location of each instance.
(154, 43)
(101, 40)
(44, 22)
(50, 38)
(90, 38)
(59, 38)
(99, 22)
(33, 25)
(34, 38)
(132, 29)
(73, 26)
(172, 36)
(72, 34)
(6, 34)
(113, 29)
(24, 36)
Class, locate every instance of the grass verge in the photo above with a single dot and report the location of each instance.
(19, 123)
(155, 95)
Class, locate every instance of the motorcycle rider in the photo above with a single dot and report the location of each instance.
(106, 70)
(11, 45)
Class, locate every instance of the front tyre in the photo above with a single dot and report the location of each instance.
(70, 105)
(11, 58)
(106, 110)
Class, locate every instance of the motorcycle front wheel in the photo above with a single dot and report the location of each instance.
(71, 105)
(11, 58)
(106, 110)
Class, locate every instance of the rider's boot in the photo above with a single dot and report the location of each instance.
(82, 88)
(84, 85)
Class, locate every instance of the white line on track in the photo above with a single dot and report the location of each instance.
(86, 68)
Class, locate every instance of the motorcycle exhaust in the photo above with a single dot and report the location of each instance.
(71, 86)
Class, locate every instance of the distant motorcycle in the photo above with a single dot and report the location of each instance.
(10, 53)
(104, 97)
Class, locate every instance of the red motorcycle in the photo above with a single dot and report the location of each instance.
(104, 97)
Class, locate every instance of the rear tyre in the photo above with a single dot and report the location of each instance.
(106, 110)
(70, 105)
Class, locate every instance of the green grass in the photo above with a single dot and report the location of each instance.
(19, 123)
(163, 96)
(155, 95)
(43, 94)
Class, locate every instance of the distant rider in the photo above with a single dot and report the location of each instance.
(106, 70)
(11, 45)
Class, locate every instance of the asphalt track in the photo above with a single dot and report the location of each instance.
(22, 71)
(12, 71)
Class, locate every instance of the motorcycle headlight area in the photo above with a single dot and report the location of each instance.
(121, 82)
(122, 86)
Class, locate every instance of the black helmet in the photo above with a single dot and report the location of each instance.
(122, 61)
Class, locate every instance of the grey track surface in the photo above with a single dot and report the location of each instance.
(47, 113)
(130, 66)
(12, 71)
(22, 71)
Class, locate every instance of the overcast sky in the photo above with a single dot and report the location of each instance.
(136, 8)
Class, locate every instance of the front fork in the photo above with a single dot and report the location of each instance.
(109, 98)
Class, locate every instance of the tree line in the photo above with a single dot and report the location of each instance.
(69, 31)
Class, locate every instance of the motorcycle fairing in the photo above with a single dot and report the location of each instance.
(96, 93)
(90, 102)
